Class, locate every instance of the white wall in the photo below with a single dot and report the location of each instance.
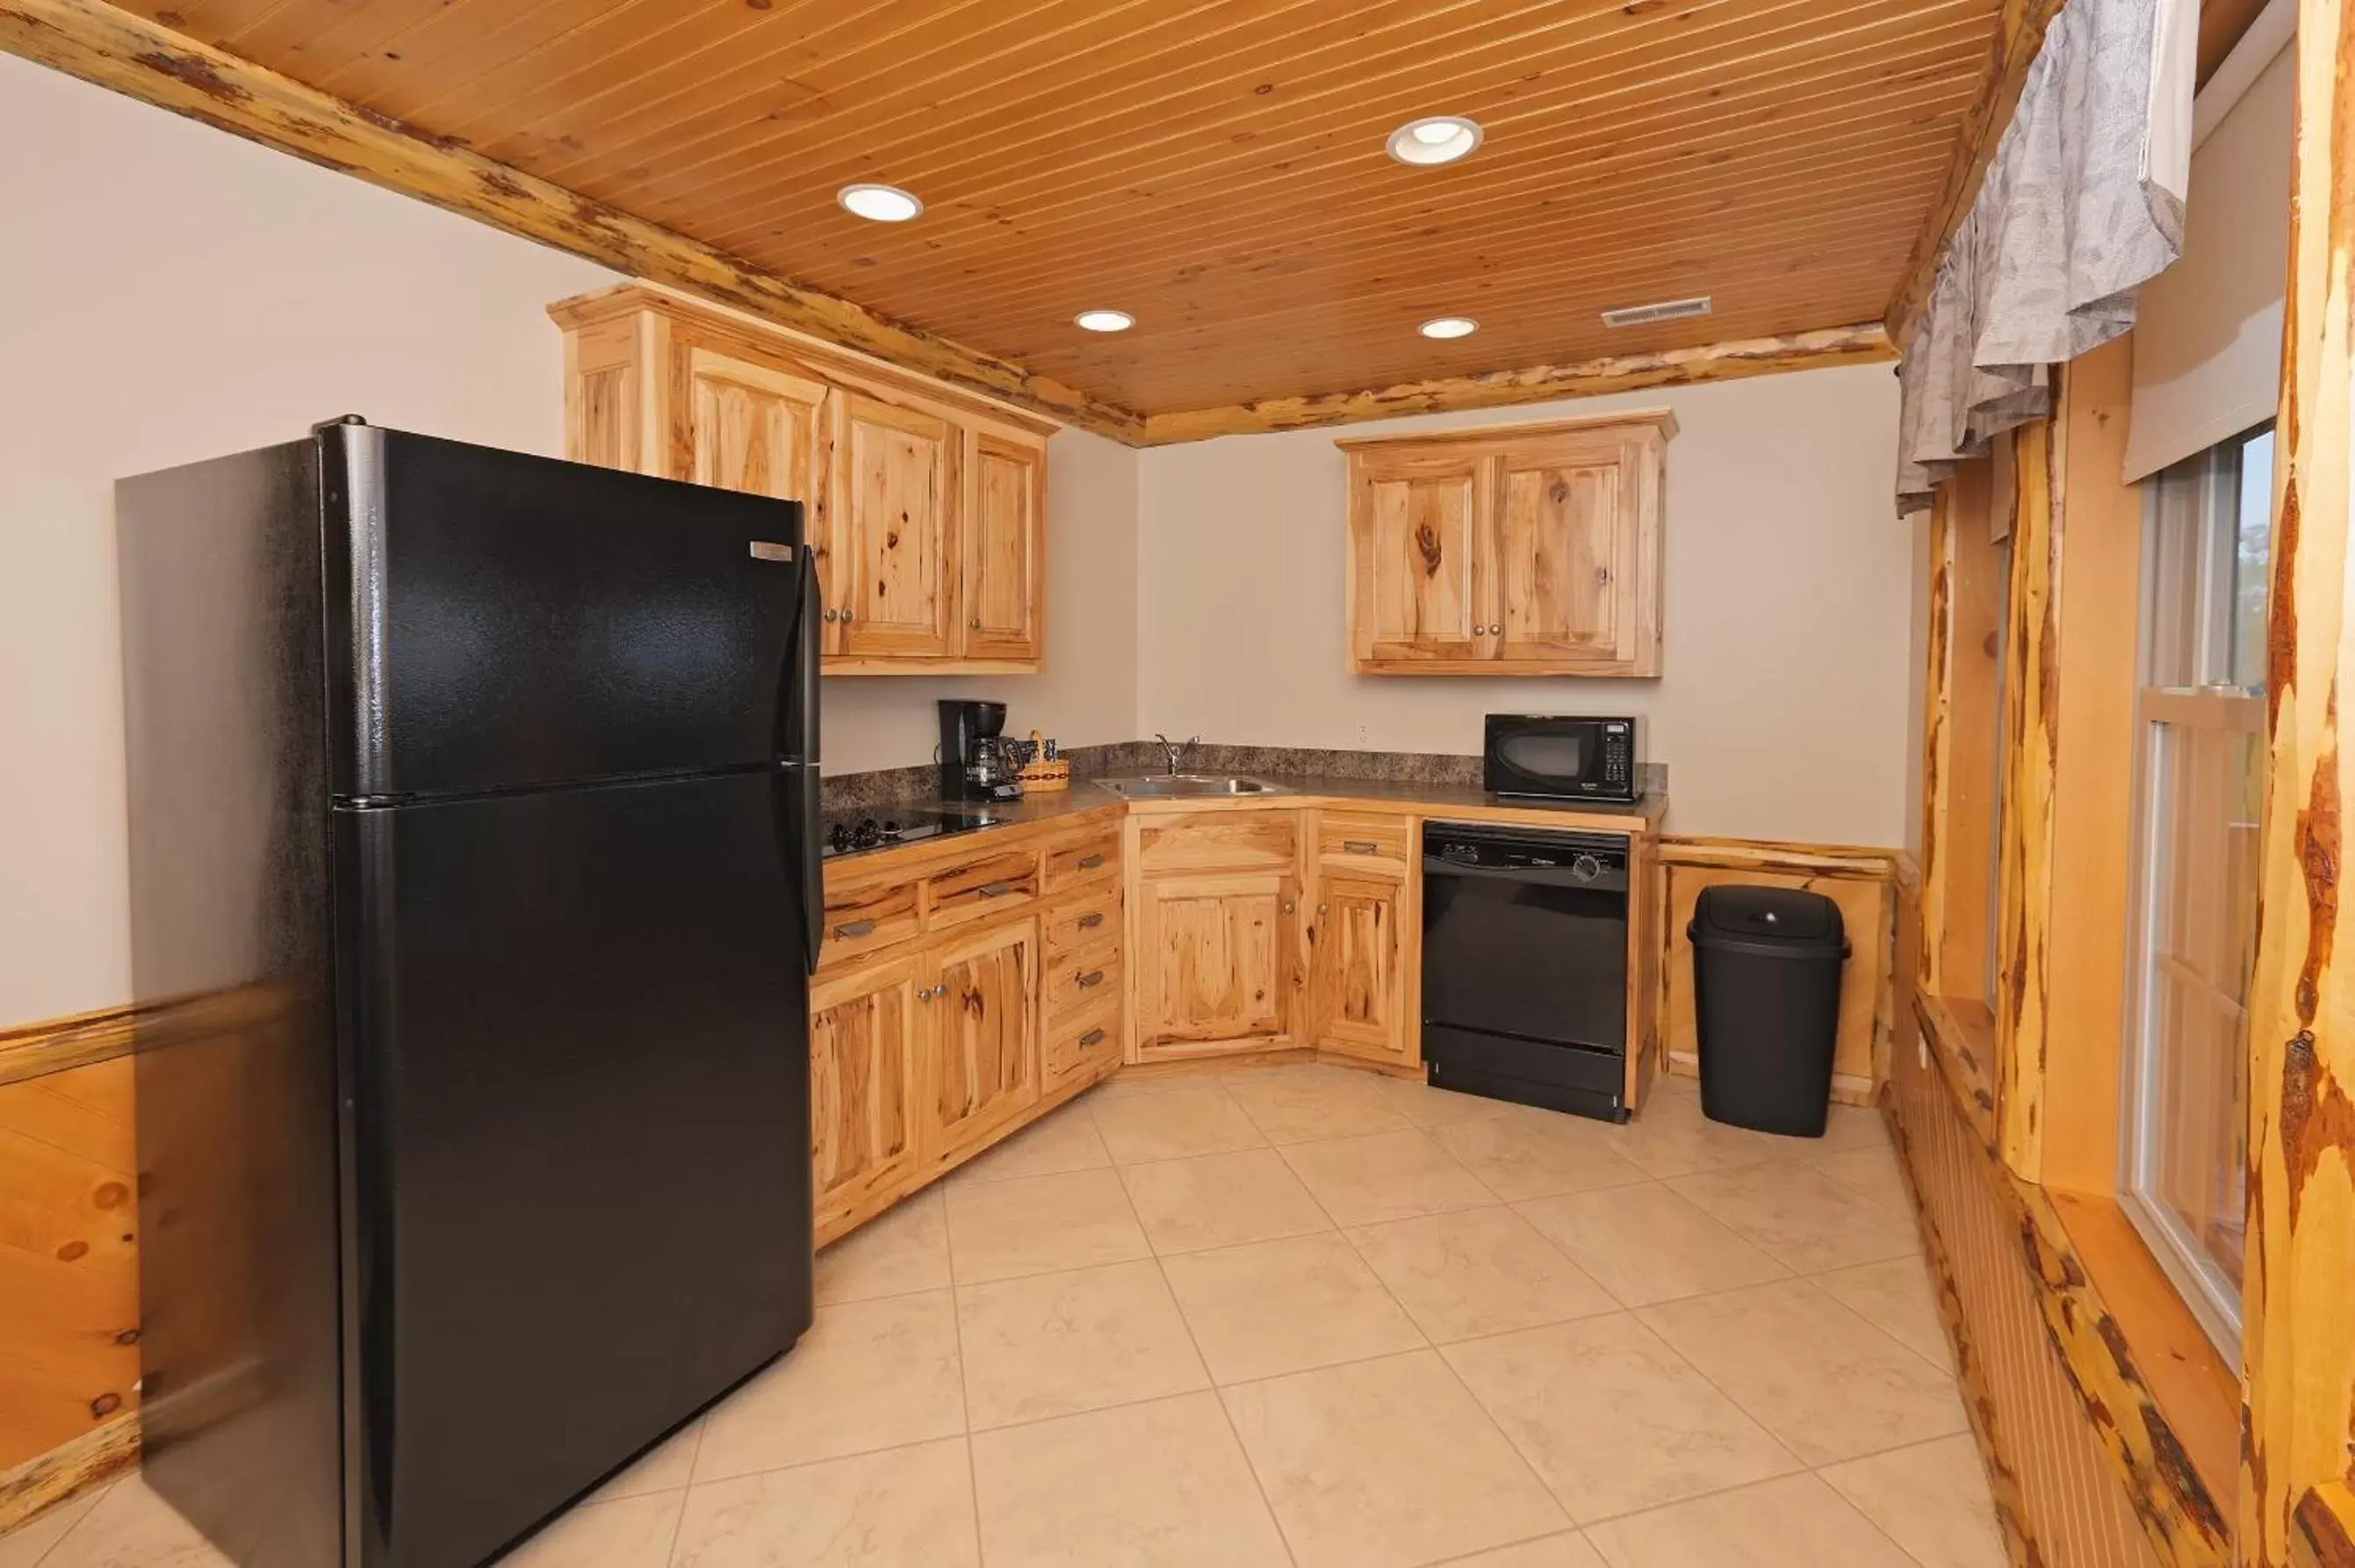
(173, 294)
(1086, 695)
(1789, 592)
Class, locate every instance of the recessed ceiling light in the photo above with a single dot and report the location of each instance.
(1438, 139)
(1106, 320)
(1449, 327)
(883, 203)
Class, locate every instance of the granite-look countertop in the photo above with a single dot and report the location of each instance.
(1084, 797)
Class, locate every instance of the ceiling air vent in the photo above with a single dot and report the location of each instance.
(1666, 310)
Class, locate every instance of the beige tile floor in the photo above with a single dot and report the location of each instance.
(1302, 1316)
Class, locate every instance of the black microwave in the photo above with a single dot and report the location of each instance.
(1558, 756)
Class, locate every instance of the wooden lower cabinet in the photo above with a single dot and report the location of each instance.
(863, 1090)
(1215, 961)
(979, 1025)
(1357, 985)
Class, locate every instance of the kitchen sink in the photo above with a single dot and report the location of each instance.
(1187, 786)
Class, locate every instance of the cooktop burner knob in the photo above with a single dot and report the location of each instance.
(1586, 868)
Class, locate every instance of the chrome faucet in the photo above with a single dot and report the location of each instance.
(1176, 751)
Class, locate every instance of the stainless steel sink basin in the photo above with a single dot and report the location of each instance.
(1176, 786)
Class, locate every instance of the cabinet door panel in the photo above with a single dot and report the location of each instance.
(1004, 586)
(982, 1035)
(1359, 984)
(895, 529)
(1214, 959)
(756, 428)
(862, 1092)
(1558, 555)
(1420, 587)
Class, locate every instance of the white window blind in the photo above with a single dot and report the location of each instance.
(2207, 343)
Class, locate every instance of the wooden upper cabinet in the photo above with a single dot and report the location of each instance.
(1518, 550)
(1004, 535)
(926, 505)
(895, 529)
(1420, 589)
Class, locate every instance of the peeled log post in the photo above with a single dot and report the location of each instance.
(2298, 1338)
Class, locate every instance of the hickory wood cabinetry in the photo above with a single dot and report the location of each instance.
(1271, 928)
(927, 506)
(961, 992)
(1516, 549)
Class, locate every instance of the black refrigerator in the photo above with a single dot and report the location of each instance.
(474, 889)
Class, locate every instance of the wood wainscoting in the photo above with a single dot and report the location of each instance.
(1859, 880)
(2085, 1468)
(69, 1260)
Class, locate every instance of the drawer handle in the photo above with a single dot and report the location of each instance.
(1360, 846)
(1093, 1037)
(995, 890)
(1092, 978)
(856, 928)
(1090, 921)
(1090, 862)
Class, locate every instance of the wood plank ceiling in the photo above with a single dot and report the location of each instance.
(1216, 167)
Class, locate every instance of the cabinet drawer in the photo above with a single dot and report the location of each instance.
(1363, 841)
(1078, 980)
(1086, 919)
(1098, 855)
(984, 887)
(1221, 841)
(864, 917)
(1087, 1040)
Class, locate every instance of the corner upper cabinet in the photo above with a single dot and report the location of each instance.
(926, 506)
(1515, 550)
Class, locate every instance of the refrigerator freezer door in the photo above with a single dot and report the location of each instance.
(499, 621)
(576, 1059)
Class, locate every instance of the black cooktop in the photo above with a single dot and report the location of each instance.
(852, 832)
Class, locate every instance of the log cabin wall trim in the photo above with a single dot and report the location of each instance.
(2086, 1469)
(129, 54)
(132, 55)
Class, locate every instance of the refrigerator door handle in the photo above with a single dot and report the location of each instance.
(805, 841)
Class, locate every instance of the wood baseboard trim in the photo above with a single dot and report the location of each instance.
(97, 1456)
(58, 1045)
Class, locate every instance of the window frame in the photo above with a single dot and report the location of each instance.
(2160, 709)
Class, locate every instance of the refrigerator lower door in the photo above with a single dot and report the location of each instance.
(578, 1200)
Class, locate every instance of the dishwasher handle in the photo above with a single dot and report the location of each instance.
(1609, 880)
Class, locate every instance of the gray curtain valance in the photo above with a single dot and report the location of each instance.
(2082, 201)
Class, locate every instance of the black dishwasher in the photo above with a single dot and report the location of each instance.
(1525, 965)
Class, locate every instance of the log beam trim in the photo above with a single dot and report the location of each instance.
(2298, 1336)
(99, 1456)
(2018, 34)
(131, 55)
(1866, 344)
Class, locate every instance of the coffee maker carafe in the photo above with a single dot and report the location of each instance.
(974, 764)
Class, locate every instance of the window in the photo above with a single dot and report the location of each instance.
(2200, 713)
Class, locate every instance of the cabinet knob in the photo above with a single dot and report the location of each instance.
(1090, 921)
(845, 617)
(1089, 863)
(1093, 1037)
(1093, 979)
(1287, 907)
(1320, 909)
(831, 614)
(974, 624)
(856, 928)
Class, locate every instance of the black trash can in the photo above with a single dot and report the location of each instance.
(1766, 985)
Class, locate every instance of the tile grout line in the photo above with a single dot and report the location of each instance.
(965, 1401)
(1250, 1468)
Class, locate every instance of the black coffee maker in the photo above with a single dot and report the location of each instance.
(974, 764)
